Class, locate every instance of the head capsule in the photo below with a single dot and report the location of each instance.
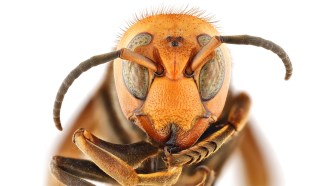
(175, 104)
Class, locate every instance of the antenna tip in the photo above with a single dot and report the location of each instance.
(59, 127)
(58, 124)
(288, 76)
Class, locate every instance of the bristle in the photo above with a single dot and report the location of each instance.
(165, 10)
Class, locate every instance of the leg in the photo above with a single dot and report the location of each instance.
(71, 171)
(202, 176)
(120, 164)
(132, 154)
(256, 170)
(255, 167)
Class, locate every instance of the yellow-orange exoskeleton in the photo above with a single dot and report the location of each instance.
(165, 106)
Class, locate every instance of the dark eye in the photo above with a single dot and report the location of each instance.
(136, 77)
(212, 74)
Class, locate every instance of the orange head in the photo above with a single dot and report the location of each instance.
(173, 105)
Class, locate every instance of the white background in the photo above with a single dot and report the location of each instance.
(41, 41)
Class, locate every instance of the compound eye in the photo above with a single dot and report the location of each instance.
(212, 74)
(136, 77)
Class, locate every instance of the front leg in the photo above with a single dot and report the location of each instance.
(120, 165)
(72, 171)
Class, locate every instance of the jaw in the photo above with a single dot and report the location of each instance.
(173, 136)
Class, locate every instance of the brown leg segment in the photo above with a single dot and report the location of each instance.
(256, 169)
(239, 112)
(71, 171)
(168, 177)
(132, 154)
(109, 158)
(202, 176)
(67, 178)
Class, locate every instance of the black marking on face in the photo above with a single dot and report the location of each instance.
(174, 41)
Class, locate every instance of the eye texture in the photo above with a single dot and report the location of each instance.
(136, 77)
(203, 39)
(212, 74)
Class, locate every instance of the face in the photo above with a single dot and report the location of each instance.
(176, 106)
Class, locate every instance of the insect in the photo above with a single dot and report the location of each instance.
(165, 110)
